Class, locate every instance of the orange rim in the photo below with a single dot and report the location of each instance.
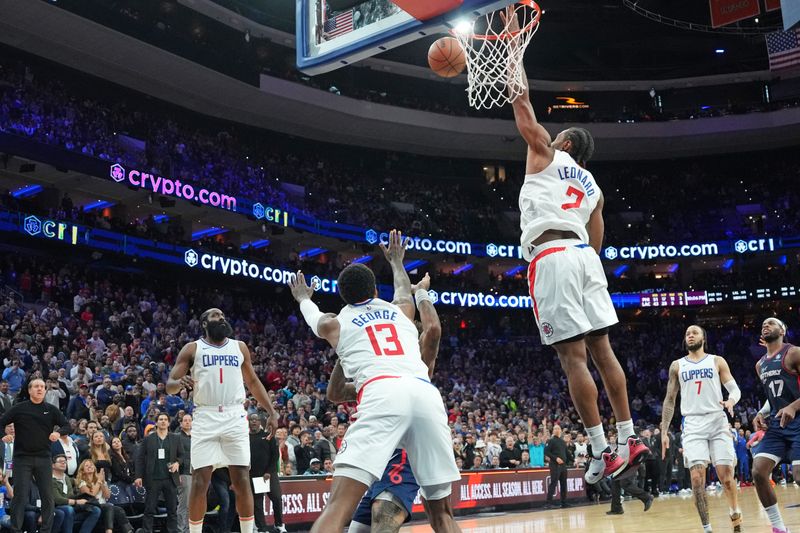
(511, 34)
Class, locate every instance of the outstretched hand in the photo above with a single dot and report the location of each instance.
(396, 250)
(509, 18)
(728, 406)
(424, 283)
(300, 289)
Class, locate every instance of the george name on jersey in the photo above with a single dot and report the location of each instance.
(381, 314)
(575, 173)
(220, 360)
(697, 373)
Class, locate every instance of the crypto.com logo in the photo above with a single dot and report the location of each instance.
(611, 253)
(190, 257)
(33, 225)
(117, 172)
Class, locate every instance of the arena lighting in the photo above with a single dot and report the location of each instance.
(99, 204)
(782, 260)
(720, 50)
(514, 271)
(27, 192)
(462, 26)
(727, 264)
(411, 265)
(620, 270)
(208, 232)
(255, 245)
(673, 268)
(158, 219)
(313, 252)
(462, 269)
(363, 259)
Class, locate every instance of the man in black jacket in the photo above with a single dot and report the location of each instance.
(304, 453)
(556, 451)
(264, 457)
(157, 464)
(37, 420)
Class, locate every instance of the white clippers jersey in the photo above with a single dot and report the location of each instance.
(560, 197)
(701, 391)
(217, 374)
(377, 339)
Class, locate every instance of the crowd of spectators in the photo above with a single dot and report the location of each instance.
(383, 190)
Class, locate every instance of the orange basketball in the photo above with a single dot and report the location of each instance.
(446, 57)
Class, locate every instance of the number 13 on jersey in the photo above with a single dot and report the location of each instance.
(384, 340)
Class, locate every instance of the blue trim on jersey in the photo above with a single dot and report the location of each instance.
(696, 362)
(581, 246)
(425, 381)
(214, 345)
(362, 303)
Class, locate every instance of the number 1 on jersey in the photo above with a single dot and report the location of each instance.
(380, 348)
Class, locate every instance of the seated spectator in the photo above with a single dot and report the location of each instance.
(6, 494)
(66, 446)
(92, 483)
(314, 468)
(76, 508)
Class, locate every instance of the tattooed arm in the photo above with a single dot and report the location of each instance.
(668, 409)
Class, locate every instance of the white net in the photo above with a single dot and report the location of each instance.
(494, 45)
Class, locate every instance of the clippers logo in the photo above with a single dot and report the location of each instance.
(342, 448)
(117, 172)
(547, 329)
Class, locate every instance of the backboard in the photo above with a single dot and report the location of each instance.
(327, 39)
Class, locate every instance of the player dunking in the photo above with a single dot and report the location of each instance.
(778, 371)
(219, 368)
(387, 504)
(562, 226)
(398, 407)
(706, 432)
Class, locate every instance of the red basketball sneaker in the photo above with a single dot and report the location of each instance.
(633, 452)
(609, 464)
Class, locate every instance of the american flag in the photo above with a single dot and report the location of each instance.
(784, 49)
(339, 24)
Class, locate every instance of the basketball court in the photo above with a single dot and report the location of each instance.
(671, 513)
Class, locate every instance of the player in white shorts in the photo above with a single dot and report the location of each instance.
(706, 432)
(398, 407)
(219, 367)
(561, 218)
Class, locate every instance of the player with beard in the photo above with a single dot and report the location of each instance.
(778, 371)
(706, 435)
(219, 368)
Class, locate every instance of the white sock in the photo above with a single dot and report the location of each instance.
(246, 524)
(707, 528)
(196, 527)
(734, 511)
(775, 519)
(625, 430)
(597, 439)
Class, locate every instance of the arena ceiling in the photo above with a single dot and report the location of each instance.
(607, 40)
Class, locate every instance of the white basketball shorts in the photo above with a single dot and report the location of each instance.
(220, 439)
(707, 438)
(569, 290)
(400, 412)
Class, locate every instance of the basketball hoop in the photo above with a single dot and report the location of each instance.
(494, 52)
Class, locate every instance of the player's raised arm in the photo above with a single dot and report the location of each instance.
(726, 378)
(431, 326)
(668, 409)
(256, 388)
(324, 325)
(339, 391)
(596, 226)
(535, 135)
(179, 377)
(394, 253)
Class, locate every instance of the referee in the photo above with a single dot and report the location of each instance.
(36, 420)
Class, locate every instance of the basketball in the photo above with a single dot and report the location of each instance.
(446, 57)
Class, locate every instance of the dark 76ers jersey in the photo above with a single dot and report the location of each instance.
(782, 386)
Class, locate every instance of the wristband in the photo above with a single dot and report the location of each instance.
(421, 296)
(765, 410)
